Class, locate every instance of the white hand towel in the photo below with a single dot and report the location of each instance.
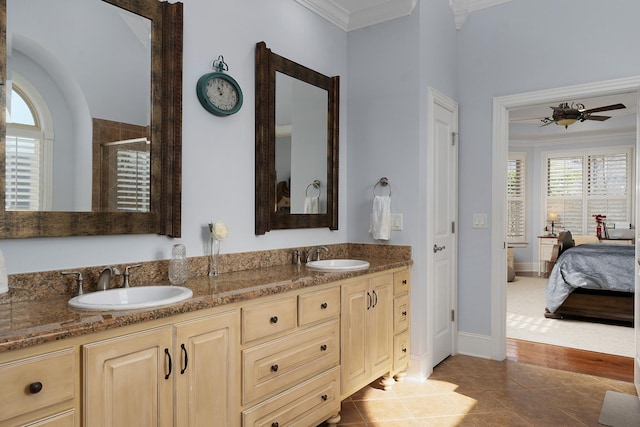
(381, 218)
(311, 205)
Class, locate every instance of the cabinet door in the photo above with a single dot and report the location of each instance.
(207, 373)
(381, 325)
(129, 380)
(356, 302)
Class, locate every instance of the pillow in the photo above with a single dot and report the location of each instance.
(579, 240)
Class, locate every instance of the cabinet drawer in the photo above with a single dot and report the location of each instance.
(277, 365)
(55, 372)
(263, 320)
(401, 314)
(401, 351)
(305, 405)
(401, 282)
(64, 419)
(317, 306)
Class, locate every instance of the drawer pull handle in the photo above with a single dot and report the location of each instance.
(370, 301)
(274, 368)
(404, 313)
(166, 351)
(275, 425)
(186, 359)
(324, 305)
(404, 282)
(404, 349)
(35, 387)
(324, 397)
(323, 347)
(274, 319)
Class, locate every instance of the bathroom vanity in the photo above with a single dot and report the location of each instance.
(280, 345)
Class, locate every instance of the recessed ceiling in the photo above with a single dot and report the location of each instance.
(354, 14)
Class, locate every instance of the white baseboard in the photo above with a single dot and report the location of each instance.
(525, 266)
(474, 345)
(419, 369)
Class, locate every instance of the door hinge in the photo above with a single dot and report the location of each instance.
(454, 136)
(453, 315)
(453, 227)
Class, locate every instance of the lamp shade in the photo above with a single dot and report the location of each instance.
(552, 217)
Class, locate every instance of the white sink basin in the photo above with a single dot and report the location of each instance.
(338, 265)
(130, 298)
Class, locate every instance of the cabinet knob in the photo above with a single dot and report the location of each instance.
(274, 368)
(404, 313)
(275, 425)
(404, 349)
(324, 305)
(35, 387)
(274, 319)
(324, 397)
(404, 281)
(323, 347)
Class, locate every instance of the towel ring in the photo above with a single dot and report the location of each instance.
(315, 184)
(384, 182)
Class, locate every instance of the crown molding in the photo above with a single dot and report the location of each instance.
(349, 20)
(463, 8)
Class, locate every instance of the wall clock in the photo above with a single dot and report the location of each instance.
(218, 92)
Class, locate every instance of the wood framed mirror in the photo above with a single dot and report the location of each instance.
(297, 111)
(155, 26)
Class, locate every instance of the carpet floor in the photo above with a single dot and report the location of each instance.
(526, 321)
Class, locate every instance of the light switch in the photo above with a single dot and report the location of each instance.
(396, 222)
(480, 221)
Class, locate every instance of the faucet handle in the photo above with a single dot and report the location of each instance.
(79, 280)
(126, 273)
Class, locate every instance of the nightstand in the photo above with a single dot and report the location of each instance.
(545, 249)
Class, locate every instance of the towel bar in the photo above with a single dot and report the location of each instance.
(383, 182)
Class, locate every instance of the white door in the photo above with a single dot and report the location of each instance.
(442, 227)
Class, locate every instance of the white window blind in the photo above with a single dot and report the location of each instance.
(23, 164)
(134, 181)
(516, 198)
(584, 184)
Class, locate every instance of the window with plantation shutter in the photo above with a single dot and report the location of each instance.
(134, 180)
(28, 158)
(516, 197)
(584, 184)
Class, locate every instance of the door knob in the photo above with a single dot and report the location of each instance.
(437, 248)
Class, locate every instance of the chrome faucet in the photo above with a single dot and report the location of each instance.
(316, 250)
(104, 280)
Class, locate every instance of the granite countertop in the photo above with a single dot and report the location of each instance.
(28, 323)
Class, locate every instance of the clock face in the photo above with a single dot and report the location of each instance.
(219, 94)
(222, 93)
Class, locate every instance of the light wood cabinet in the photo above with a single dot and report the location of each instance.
(134, 379)
(367, 332)
(401, 319)
(39, 390)
(290, 361)
(208, 375)
(128, 380)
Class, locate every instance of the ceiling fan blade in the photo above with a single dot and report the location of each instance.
(598, 118)
(606, 108)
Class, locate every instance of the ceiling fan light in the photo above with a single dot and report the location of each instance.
(566, 122)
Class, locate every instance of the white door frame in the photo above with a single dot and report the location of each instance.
(501, 106)
(436, 98)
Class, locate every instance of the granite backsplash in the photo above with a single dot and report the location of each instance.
(40, 285)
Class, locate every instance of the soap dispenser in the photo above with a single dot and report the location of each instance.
(178, 265)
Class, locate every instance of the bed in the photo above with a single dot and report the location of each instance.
(591, 280)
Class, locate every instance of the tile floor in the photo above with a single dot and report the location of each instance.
(468, 391)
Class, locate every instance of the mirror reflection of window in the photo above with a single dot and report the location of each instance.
(301, 141)
(28, 153)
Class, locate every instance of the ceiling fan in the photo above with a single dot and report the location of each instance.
(565, 114)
